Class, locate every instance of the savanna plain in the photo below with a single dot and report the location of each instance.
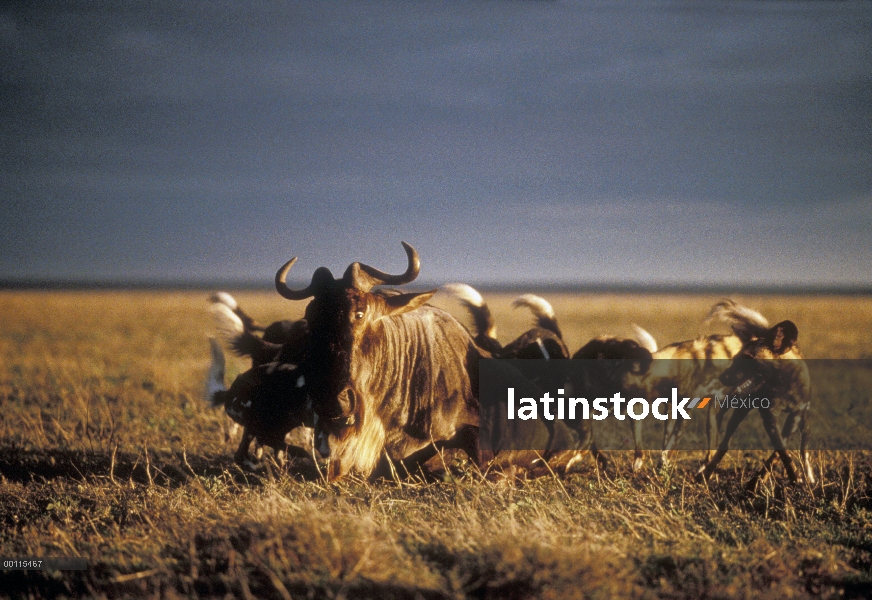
(108, 452)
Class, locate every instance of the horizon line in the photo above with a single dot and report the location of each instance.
(33, 284)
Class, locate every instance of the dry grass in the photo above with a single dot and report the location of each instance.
(107, 452)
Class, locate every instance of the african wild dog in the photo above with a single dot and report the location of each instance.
(269, 400)
(544, 340)
(771, 366)
(693, 366)
(605, 364)
(282, 341)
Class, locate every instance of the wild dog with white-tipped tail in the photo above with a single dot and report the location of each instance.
(544, 340)
(694, 367)
(770, 365)
(269, 401)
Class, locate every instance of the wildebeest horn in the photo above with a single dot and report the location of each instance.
(321, 276)
(365, 277)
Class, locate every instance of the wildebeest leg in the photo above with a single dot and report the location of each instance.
(467, 440)
(241, 456)
(770, 424)
(736, 418)
(388, 468)
(638, 458)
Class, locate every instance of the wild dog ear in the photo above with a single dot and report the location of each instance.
(403, 303)
(642, 361)
(782, 337)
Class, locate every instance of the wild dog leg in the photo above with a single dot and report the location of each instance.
(671, 434)
(736, 418)
(241, 456)
(713, 428)
(790, 426)
(797, 420)
(602, 461)
(803, 445)
(638, 459)
(770, 424)
(230, 431)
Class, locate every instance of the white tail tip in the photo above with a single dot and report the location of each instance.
(228, 324)
(540, 306)
(465, 293)
(645, 339)
(742, 320)
(225, 299)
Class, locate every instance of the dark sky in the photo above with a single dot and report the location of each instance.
(571, 142)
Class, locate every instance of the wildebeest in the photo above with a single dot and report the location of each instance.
(693, 366)
(387, 374)
(769, 365)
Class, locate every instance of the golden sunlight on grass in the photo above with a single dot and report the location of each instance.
(107, 451)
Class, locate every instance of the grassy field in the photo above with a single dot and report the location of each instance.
(107, 451)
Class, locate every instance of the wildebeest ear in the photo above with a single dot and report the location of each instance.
(402, 303)
(782, 337)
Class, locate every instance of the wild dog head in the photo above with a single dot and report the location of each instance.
(607, 363)
(770, 362)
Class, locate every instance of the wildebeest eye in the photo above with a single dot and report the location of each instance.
(358, 315)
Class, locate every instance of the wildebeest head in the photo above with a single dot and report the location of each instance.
(756, 364)
(343, 319)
